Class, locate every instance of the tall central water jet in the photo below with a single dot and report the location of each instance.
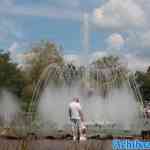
(85, 29)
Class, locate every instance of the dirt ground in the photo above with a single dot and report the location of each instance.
(45, 144)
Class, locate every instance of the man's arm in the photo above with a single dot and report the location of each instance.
(69, 112)
(81, 115)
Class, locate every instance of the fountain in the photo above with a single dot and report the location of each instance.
(107, 90)
(105, 85)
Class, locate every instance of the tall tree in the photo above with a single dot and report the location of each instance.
(11, 78)
(108, 72)
(143, 80)
(44, 53)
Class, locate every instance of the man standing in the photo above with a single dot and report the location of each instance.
(76, 117)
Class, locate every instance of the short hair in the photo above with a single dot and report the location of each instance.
(76, 99)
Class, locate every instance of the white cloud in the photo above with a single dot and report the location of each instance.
(27, 56)
(125, 16)
(41, 11)
(78, 59)
(98, 54)
(137, 63)
(119, 14)
(16, 55)
(13, 51)
(145, 39)
(74, 59)
(139, 40)
(130, 60)
(23, 59)
(13, 47)
(9, 30)
(115, 41)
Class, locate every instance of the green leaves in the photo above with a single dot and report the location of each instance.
(143, 79)
(11, 78)
(45, 53)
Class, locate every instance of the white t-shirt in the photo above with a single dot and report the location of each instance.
(75, 108)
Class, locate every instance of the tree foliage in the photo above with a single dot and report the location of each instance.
(44, 54)
(108, 72)
(22, 82)
(143, 80)
(11, 78)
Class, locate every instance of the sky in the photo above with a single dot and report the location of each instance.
(122, 25)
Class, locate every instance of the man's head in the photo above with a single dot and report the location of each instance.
(76, 99)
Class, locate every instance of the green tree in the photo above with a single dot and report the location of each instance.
(11, 78)
(108, 72)
(44, 53)
(143, 80)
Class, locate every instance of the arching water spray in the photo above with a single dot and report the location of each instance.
(103, 88)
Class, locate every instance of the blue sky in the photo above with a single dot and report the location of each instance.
(26, 25)
(113, 24)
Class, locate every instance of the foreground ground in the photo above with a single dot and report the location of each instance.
(45, 144)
